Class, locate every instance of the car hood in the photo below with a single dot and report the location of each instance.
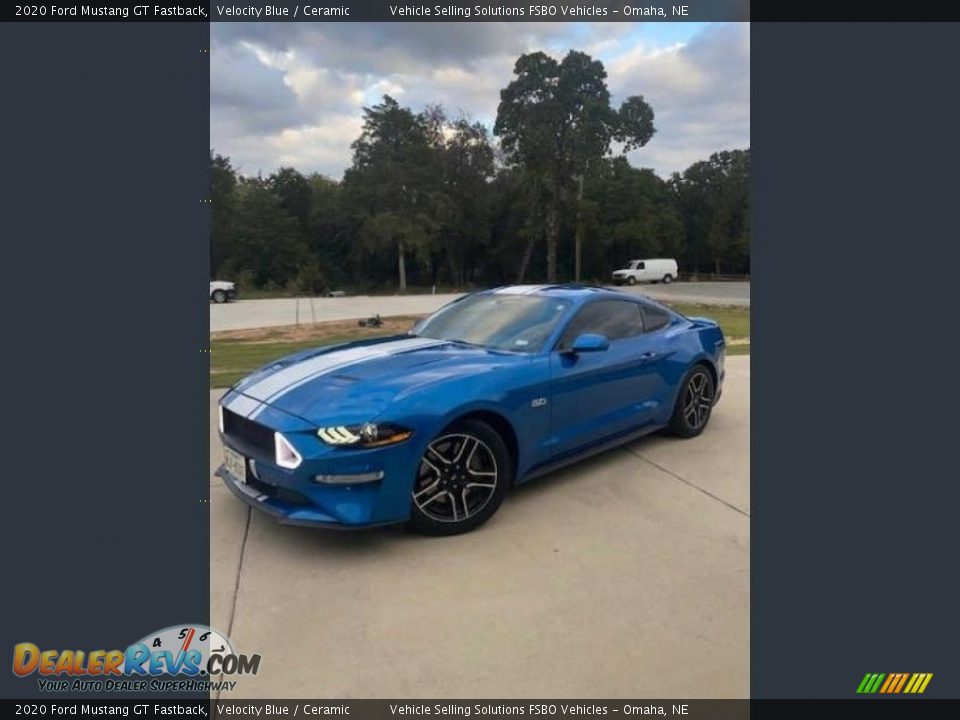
(355, 382)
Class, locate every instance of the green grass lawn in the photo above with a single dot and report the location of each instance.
(234, 354)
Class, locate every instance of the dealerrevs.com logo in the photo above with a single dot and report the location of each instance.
(180, 658)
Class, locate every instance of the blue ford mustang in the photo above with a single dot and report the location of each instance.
(433, 427)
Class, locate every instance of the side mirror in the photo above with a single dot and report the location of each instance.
(590, 342)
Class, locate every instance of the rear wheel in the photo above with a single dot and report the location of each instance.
(667, 279)
(631, 280)
(694, 403)
(219, 296)
(462, 478)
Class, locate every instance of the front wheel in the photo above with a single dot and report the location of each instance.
(462, 478)
(631, 280)
(694, 403)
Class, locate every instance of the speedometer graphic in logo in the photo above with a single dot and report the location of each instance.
(180, 648)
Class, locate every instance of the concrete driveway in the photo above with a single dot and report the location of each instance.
(625, 576)
(245, 314)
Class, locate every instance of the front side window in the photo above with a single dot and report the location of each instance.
(615, 319)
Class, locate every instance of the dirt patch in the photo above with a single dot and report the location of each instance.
(317, 331)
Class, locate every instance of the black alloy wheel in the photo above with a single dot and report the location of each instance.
(694, 403)
(461, 480)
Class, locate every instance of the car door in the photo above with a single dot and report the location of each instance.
(597, 395)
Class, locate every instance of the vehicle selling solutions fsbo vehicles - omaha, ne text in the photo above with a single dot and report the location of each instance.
(656, 270)
(433, 427)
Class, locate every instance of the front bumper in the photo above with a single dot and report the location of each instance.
(284, 511)
(294, 497)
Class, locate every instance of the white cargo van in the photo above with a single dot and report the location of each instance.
(655, 270)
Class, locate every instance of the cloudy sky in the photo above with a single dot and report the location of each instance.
(293, 93)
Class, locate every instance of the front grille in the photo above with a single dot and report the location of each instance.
(291, 497)
(248, 432)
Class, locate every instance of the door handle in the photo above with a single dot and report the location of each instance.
(647, 356)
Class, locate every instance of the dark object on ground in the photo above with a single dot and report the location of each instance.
(373, 322)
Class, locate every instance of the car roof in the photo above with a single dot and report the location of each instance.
(571, 291)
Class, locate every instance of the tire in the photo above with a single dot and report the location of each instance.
(667, 279)
(631, 280)
(694, 403)
(219, 296)
(450, 492)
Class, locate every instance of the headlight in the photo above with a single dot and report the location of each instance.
(365, 435)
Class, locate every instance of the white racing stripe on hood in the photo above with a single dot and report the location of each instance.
(242, 405)
(283, 381)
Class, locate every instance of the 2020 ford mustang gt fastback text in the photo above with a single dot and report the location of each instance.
(434, 427)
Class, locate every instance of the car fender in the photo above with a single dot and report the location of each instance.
(520, 404)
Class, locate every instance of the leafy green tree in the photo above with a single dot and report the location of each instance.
(555, 119)
(713, 198)
(516, 224)
(394, 182)
(633, 213)
(269, 246)
(223, 184)
(468, 169)
(295, 194)
(330, 233)
(430, 199)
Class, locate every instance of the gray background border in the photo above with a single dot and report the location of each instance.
(854, 395)
(105, 529)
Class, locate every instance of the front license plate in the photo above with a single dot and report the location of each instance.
(235, 463)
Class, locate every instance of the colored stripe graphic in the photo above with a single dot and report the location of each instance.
(903, 680)
(891, 679)
(870, 683)
(894, 683)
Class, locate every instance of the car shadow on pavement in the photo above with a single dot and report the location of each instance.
(523, 504)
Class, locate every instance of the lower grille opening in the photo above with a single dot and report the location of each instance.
(275, 492)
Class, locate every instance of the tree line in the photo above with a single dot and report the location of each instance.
(433, 200)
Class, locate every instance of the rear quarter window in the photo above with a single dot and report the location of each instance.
(654, 318)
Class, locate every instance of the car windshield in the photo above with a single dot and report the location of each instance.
(517, 323)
